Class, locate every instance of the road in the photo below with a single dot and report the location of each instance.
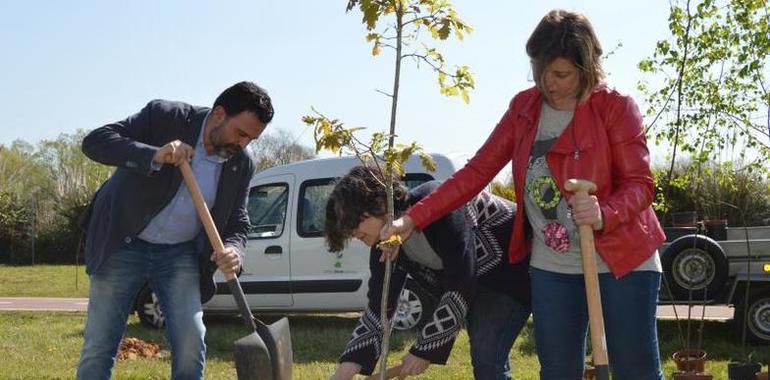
(718, 313)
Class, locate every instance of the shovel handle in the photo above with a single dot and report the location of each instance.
(591, 277)
(390, 373)
(216, 241)
(203, 211)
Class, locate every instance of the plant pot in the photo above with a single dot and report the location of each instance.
(716, 228)
(743, 371)
(690, 360)
(692, 376)
(684, 219)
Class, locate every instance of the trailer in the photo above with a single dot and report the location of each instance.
(716, 267)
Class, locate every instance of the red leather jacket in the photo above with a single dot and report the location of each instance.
(604, 143)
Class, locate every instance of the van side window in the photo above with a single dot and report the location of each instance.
(312, 206)
(314, 193)
(267, 210)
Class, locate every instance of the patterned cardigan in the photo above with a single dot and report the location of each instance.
(471, 242)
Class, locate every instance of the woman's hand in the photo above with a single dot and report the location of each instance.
(346, 371)
(586, 211)
(413, 366)
(403, 227)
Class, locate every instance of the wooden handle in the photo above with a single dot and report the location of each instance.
(203, 211)
(580, 186)
(390, 373)
(591, 278)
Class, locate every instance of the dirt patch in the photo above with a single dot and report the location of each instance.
(134, 348)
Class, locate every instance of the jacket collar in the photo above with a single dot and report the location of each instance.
(532, 103)
(576, 137)
(194, 125)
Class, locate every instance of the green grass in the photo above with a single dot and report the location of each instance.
(67, 281)
(47, 346)
(44, 345)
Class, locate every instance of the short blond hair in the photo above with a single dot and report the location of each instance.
(569, 35)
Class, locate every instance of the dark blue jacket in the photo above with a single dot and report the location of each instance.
(134, 194)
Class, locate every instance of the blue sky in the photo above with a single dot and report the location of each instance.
(80, 64)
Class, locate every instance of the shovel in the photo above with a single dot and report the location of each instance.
(266, 353)
(591, 277)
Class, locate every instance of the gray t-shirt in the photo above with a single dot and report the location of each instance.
(419, 250)
(555, 243)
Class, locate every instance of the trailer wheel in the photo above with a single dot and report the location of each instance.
(148, 309)
(756, 319)
(697, 263)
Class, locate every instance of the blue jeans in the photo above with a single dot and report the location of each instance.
(494, 322)
(561, 323)
(172, 271)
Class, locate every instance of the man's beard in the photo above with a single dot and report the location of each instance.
(222, 149)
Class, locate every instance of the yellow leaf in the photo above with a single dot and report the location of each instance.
(394, 240)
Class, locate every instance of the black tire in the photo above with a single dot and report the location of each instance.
(757, 319)
(697, 263)
(148, 309)
(415, 306)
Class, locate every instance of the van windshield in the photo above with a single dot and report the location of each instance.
(267, 210)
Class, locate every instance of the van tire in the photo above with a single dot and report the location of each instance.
(695, 262)
(148, 309)
(757, 319)
(414, 309)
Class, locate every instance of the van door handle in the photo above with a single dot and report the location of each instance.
(273, 250)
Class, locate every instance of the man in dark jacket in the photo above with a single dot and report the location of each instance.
(142, 226)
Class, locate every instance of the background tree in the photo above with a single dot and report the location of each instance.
(278, 148)
(20, 179)
(43, 191)
(401, 33)
(74, 178)
(713, 103)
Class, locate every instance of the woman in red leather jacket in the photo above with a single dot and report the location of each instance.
(571, 125)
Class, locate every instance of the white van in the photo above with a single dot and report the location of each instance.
(287, 267)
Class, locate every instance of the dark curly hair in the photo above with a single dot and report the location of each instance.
(360, 191)
(246, 96)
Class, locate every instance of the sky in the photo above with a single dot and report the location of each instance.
(69, 65)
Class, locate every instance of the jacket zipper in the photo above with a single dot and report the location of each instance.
(576, 153)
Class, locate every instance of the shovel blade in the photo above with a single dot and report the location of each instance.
(252, 358)
(281, 352)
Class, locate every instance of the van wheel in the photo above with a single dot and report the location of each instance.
(148, 309)
(695, 263)
(415, 306)
(756, 319)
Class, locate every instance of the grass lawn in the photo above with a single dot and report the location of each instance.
(44, 345)
(67, 281)
(47, 346)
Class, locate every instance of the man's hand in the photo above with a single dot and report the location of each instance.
(228, 261)
(173, 153)
(412, 366)
(346, 371)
